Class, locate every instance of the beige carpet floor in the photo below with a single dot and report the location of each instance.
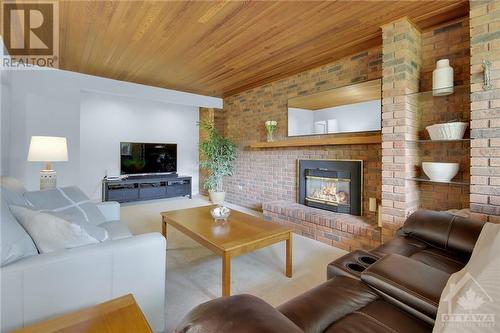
(194, 273)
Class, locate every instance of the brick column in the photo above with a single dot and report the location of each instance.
(401, 74)
(485, 111)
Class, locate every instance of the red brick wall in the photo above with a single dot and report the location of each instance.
(450, 40)
(270, 174)
(485, 111)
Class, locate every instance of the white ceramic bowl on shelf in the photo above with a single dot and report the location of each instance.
(448, 131)
(440, 172)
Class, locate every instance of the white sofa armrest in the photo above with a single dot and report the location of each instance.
(110, 210)
(47, 285)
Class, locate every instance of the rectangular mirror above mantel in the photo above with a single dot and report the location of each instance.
(348, 109)
(349, 114)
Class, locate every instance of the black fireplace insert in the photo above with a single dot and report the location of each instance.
(334, 185)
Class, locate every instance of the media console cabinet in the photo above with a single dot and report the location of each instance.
(137, 188)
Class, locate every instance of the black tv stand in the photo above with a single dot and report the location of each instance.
(146, 187)
(166, 175)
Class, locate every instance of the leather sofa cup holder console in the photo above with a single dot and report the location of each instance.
(367, 260)
(355, 267)
(351, 264)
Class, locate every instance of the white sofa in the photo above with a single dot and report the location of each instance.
(40, 286)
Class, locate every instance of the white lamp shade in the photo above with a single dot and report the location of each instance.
(48, 149)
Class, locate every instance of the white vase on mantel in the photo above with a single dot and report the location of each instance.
(442, 78)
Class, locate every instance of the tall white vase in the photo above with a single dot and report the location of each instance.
(442, 78)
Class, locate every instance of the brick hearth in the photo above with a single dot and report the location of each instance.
(344, 231)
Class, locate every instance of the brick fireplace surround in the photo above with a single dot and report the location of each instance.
(266, 178)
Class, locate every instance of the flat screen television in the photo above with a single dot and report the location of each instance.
(147, 158)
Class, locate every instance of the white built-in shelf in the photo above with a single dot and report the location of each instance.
(426, 180)
(461, 89)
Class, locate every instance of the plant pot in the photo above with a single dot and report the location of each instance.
(217, 197)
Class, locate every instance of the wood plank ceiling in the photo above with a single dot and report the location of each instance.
(220, 48)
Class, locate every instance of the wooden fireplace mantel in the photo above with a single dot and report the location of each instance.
(342, 139)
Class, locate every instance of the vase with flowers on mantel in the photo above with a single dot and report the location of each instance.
(271, 126)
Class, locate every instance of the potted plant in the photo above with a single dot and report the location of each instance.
(217, 156)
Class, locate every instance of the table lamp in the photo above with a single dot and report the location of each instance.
(48, 149)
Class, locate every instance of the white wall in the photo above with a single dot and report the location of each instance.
(366, 116)
(300, 121)
(5, 112)
(106, 120)
(48, 102)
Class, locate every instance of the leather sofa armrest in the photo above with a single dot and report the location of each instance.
(239, 313)
(443, 230)
(320, 307)
(401, 279)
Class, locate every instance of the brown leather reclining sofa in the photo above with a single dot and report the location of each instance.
(393, 288)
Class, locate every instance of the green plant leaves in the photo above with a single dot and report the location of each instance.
(218, 154)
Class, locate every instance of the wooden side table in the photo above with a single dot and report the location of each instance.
(120, 315)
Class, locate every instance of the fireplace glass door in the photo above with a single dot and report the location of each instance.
(329, 191)
(330, 187)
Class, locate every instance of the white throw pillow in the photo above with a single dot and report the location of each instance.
(15, 243)
(51, 232)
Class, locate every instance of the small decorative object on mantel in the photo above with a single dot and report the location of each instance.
(442, 78)
(487, 75)
(447, 131)
(220, 213)
(271, 126)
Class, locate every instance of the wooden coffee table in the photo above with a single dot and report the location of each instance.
(242, 233)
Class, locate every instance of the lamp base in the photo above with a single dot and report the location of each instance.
(48, 179)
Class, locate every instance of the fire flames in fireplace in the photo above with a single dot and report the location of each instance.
(328, 190)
